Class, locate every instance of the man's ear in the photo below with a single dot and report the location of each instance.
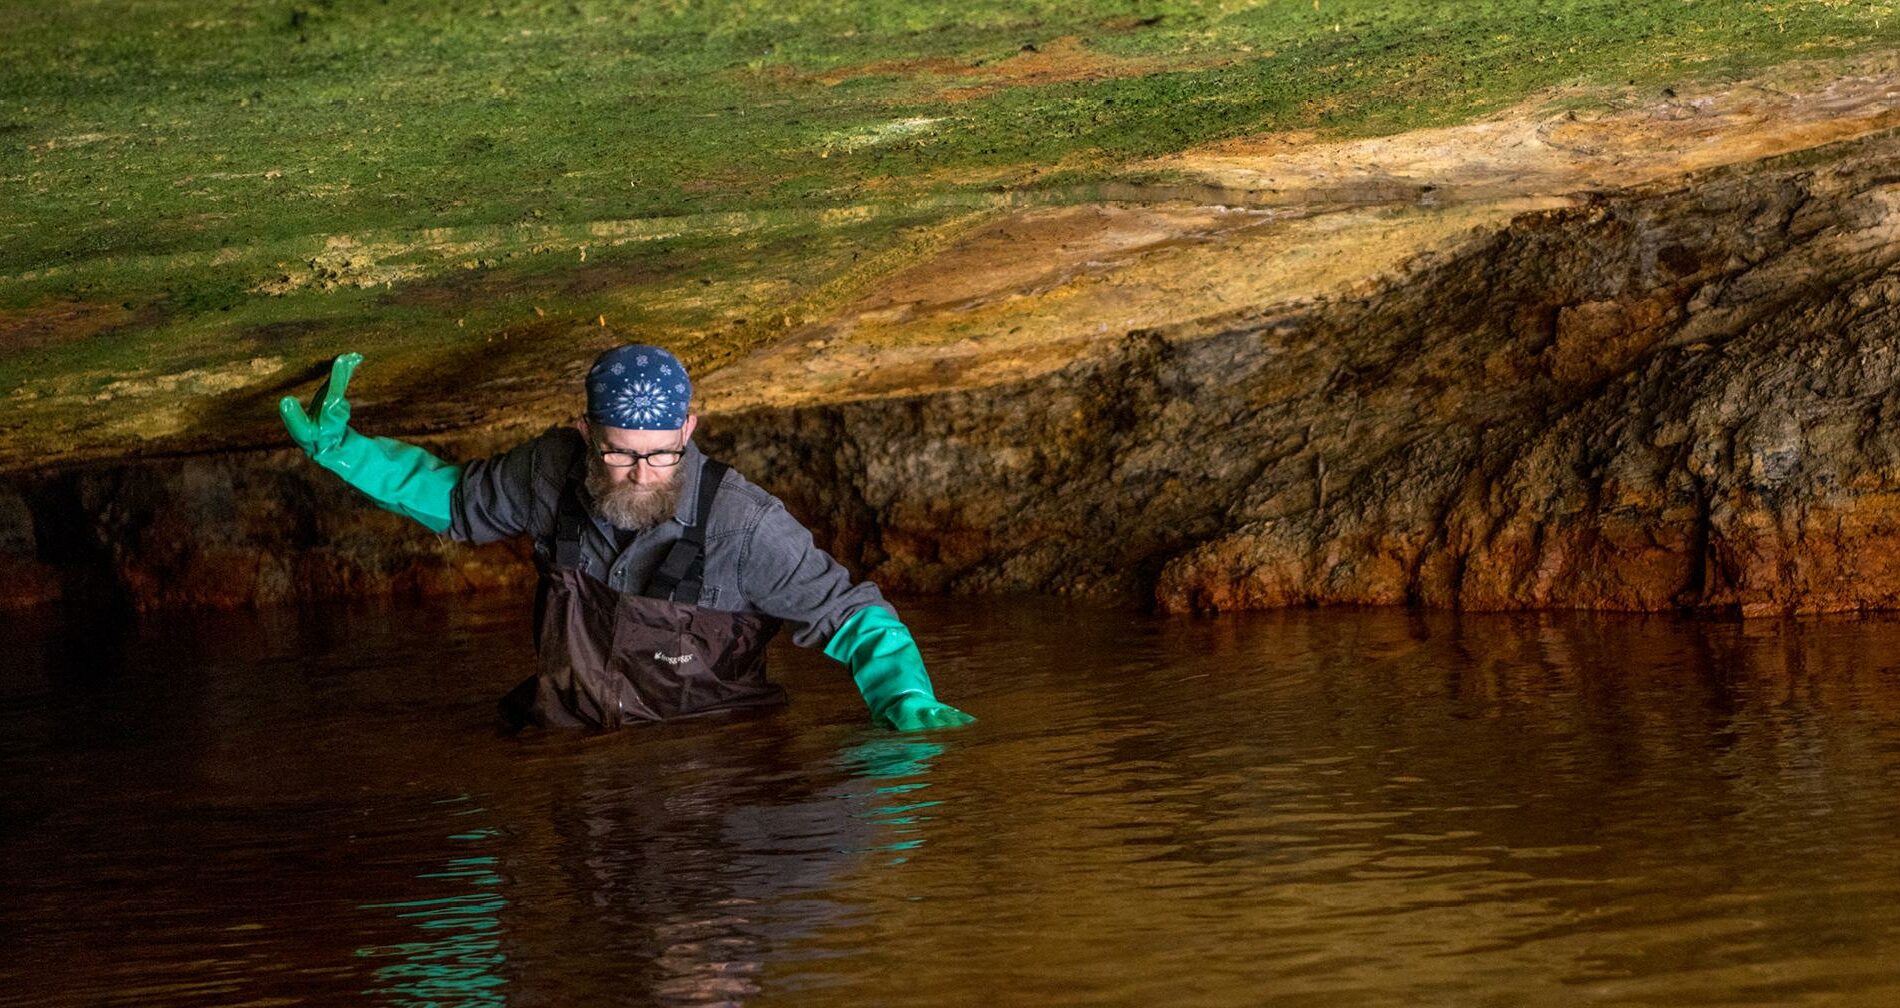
(586, 431)
(692, 421)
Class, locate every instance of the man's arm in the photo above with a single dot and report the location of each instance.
(486, 500)
(786, 575)
(398, 477)
(889, 671)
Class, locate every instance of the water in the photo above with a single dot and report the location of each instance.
(1305, 808)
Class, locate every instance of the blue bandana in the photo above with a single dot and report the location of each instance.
(638, 387)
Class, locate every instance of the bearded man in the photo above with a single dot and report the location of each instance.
(664, 574)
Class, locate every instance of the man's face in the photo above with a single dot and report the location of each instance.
(640, 442)
(631, 489)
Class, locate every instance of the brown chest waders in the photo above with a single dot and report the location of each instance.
(609, 657)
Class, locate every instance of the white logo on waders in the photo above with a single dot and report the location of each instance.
(672, 659)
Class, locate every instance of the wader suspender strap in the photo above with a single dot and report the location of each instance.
(567, 553)
(682, 573)
(569, 520)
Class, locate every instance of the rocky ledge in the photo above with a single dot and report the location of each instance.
(1628, 357)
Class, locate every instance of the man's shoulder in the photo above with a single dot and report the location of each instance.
(545, 463)
(515, 491)
(740, 505)
(560, 439)
(555, 451)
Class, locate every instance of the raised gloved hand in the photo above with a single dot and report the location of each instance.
(889, 671)
(398, 477)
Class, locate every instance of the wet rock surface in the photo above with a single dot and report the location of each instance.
(1672, 388)
(222, 531)
(1678, 396)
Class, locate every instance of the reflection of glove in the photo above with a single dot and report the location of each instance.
(398, 477)
(890, 673)
(887, 758)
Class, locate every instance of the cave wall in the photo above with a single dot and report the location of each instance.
(1681, 396)
(222, 531)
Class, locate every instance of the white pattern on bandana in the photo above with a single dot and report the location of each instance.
(643, 402)
(639, 388)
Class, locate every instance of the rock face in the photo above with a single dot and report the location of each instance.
(1679, 393)
(1680, 396)
(223, 531)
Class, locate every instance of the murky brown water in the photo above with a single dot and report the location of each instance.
(1309, 808)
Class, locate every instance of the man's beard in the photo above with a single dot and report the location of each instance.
(630, 505)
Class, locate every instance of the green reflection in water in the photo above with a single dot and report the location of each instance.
(458, 963)
(894, 760)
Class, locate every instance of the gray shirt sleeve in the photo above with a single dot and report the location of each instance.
(496, 497)
(784, 574)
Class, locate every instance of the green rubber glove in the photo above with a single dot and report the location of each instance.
(398, 477)
(889, 671)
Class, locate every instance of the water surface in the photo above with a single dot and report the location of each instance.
(1303, 808)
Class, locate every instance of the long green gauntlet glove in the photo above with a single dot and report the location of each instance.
(889, 671)
(398, 477)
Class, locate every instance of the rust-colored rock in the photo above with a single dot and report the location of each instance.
(1597, 364)
(1683, 395)
(228, 531)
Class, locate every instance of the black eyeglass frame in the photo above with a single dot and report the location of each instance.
(657, 459)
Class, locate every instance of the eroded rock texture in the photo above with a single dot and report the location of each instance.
(223, 531)
(1679, 396)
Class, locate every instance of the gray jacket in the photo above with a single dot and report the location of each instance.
(758, 557)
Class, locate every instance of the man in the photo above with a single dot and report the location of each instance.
(663, 573)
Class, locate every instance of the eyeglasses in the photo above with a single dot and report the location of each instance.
(665, 458)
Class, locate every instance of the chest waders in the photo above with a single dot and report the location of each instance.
(609, 657)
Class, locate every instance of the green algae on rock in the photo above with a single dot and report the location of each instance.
(1276, 309)
(1674, 395)
(187, 190)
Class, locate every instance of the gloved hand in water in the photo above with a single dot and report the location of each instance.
(398, 477)
(889, 671)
